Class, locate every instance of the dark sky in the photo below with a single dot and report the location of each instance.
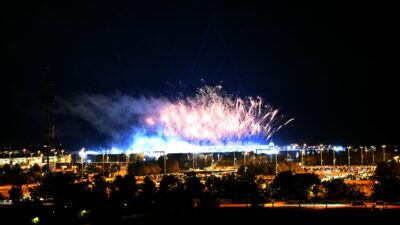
(326, 64)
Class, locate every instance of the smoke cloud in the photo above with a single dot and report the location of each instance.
(115, 115)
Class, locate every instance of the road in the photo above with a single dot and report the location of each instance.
(5, 188)
(308, 205)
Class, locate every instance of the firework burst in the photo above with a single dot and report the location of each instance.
(214, 116)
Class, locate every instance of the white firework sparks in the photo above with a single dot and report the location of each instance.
(213, 116)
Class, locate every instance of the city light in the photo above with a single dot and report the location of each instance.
(151, 146)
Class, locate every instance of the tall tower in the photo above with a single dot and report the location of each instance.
(48, 103)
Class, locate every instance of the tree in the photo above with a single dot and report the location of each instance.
(15, 193)
(387, 177)
(12, 175)
(298, 186)
(34, 193)
(148, 187)
(224, 161)
(124, 188)
(35, 172)
(35, 169)
(354, 193)
(147, 194)
(335, 189)
(294, 167)
(173, 166)
(141, 168)
(243, 187)
(284, 184)
(100, 186)
(170, 183)
(311, 159)
(58, 186)
(6, 169)
(270, 192)
(115, 168)
(171, 194)
(260, 168)
(91, 168)
(228, 184)
(16, 169)
(303, 184)
(214, 186)
(138, 157)
(257, 194)
(282, 167)
(136, 169)
(315, 190)
(193, 186)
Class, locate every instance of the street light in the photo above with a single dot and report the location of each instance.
(40, 159)
(55, 159)
(320, 150)
(348, 156)
(106, 156)
(127, 161)
(276, 162)
(41, 168)
(82, 155)
(373, 149)
(287, 154)
(70, 160)
(165, 164)
(302, 154)
(334, 158)
(234, 159)
(244, 162)
(383, 149)
(103, 162)
(193, 161)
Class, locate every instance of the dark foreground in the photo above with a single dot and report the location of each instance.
(16, 215)
(270, 216)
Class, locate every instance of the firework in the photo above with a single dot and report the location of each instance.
(212, 116)
(210, 121)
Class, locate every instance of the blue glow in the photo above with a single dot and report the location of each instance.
(338, 148)
(155, 146)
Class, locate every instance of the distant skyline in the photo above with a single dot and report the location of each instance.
(327, 65)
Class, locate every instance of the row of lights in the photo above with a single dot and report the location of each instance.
(32, 153)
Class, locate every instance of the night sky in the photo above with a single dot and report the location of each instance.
(327, 65)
